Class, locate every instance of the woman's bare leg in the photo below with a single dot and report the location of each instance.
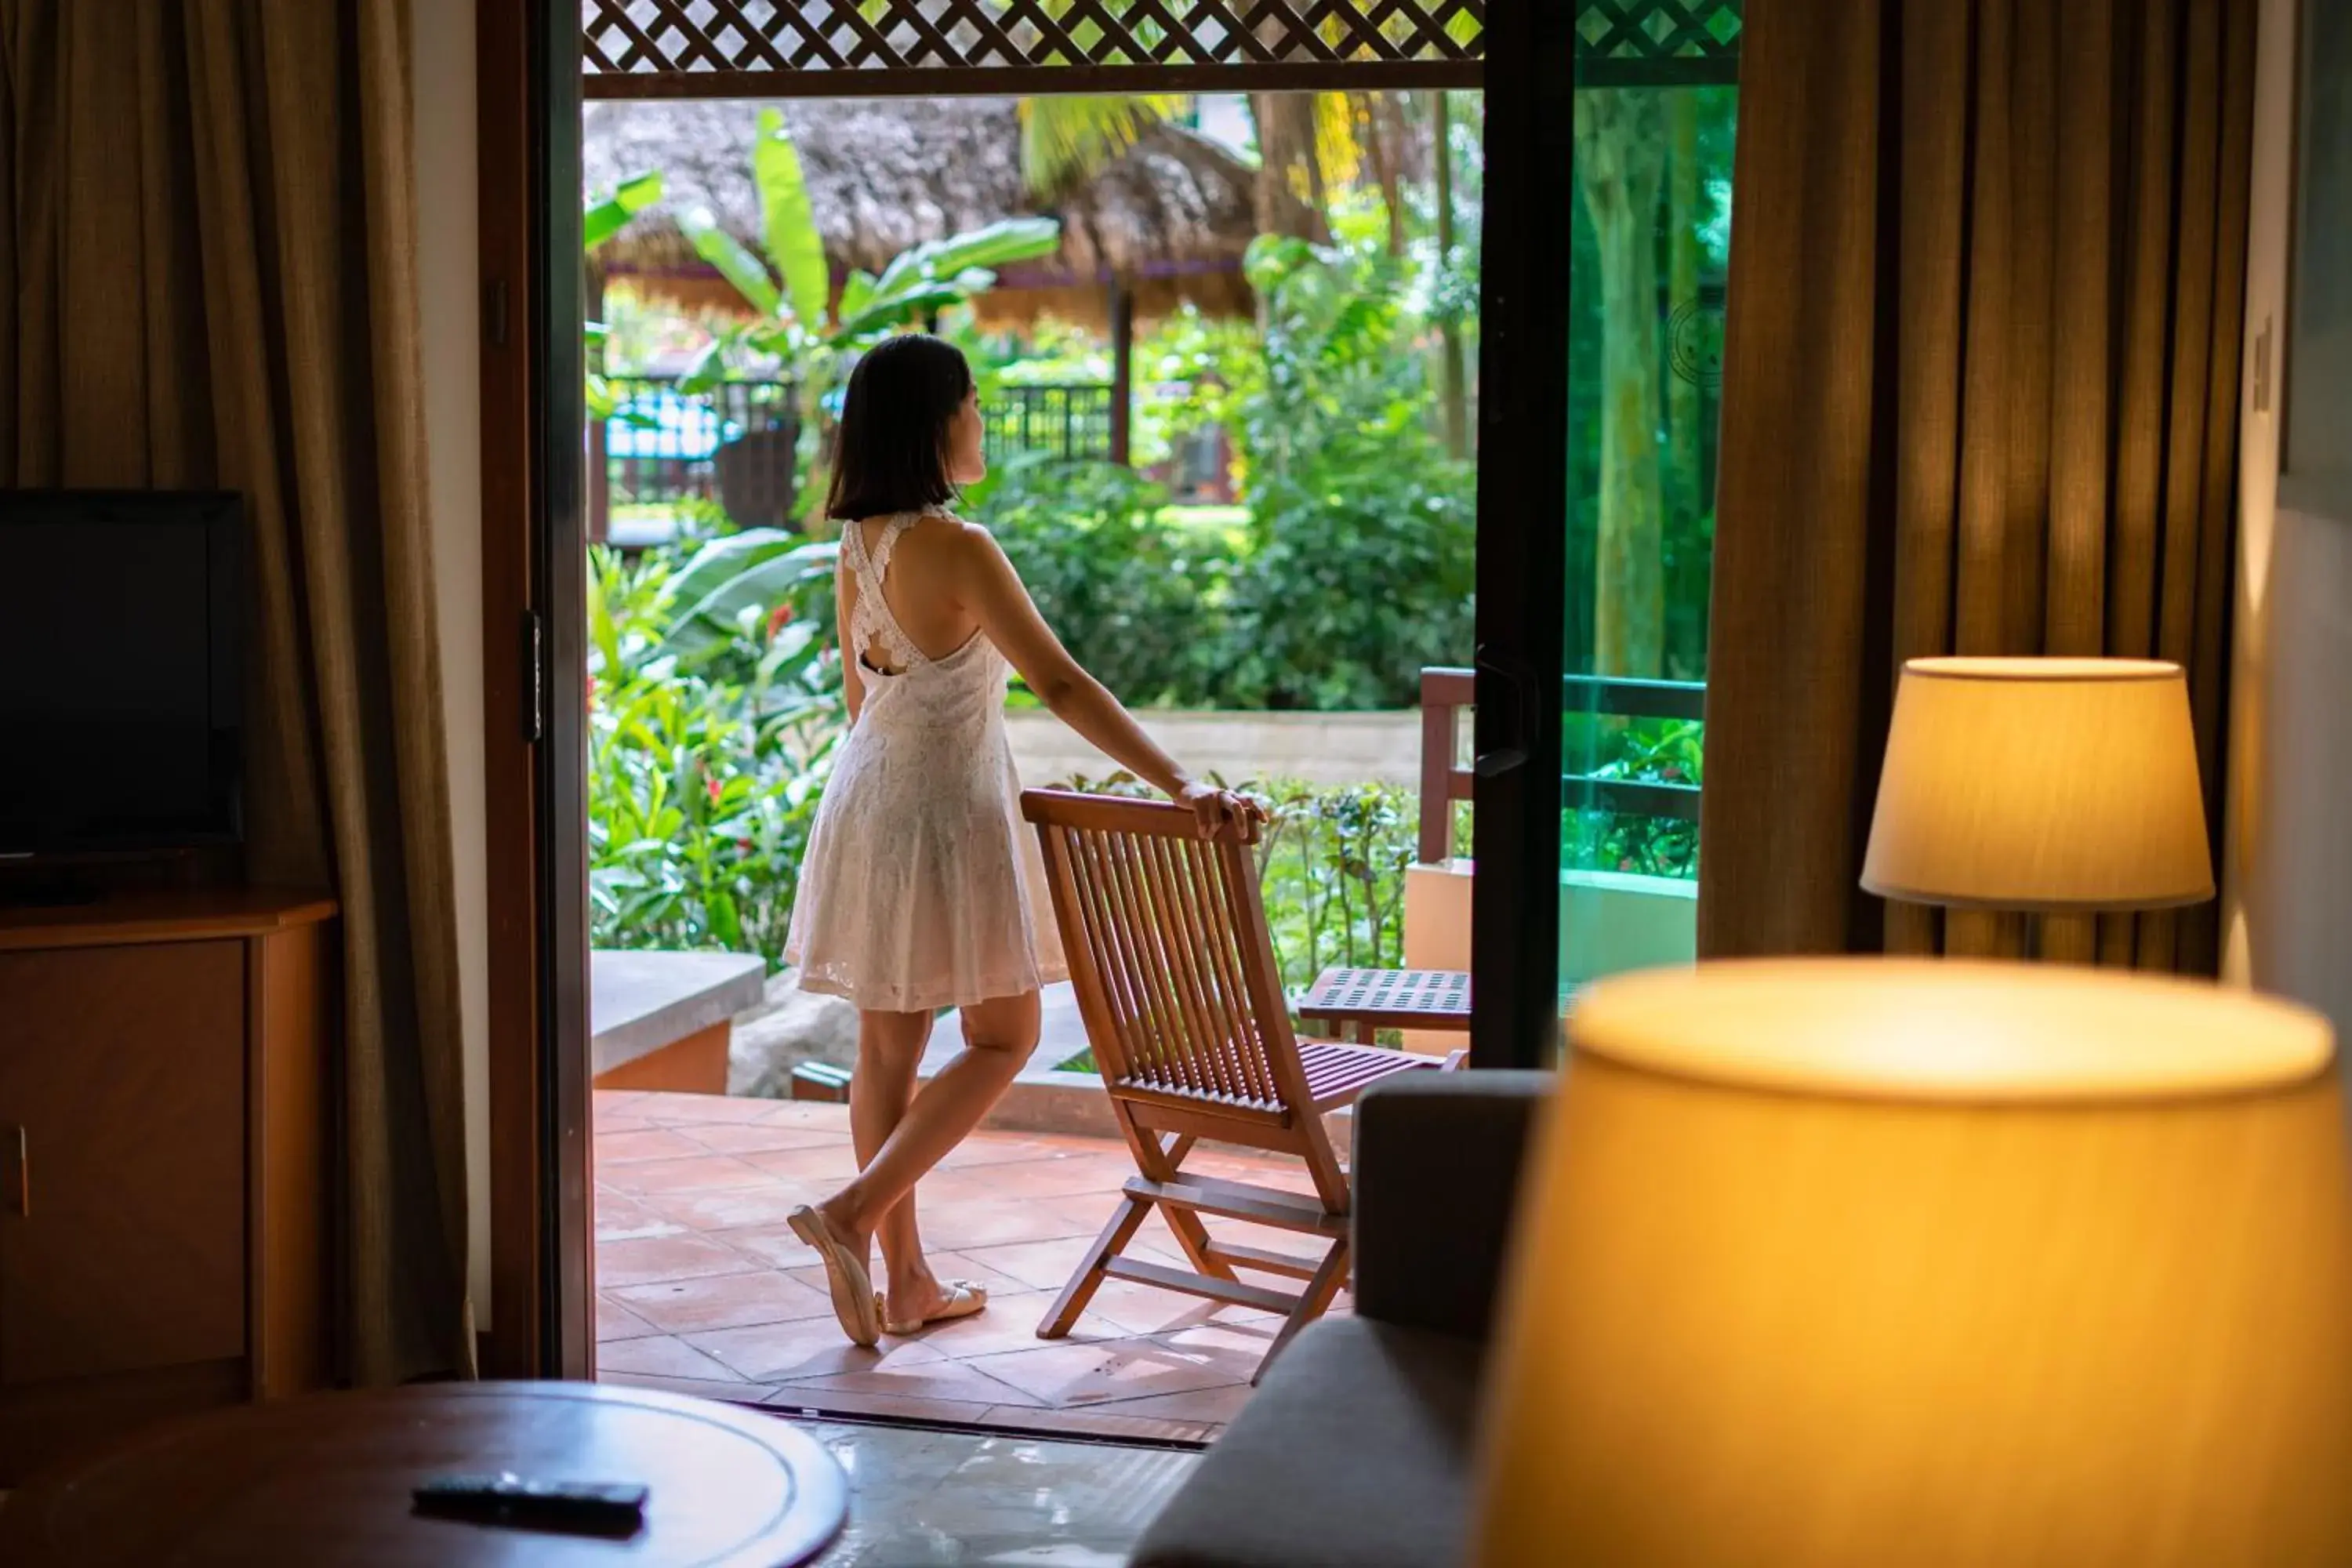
(881, 1085)
(998, 1036)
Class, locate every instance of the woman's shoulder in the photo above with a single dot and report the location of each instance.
(940, 527)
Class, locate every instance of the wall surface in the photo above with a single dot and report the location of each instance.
(448, 275)
(2287, 877)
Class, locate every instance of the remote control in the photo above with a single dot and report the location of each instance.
(582, 1508)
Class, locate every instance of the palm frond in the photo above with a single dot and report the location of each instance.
(1065, 139)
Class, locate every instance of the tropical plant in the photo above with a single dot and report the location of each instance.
(600, 220)
(708, 754)
(1068, 137)
(797, 322)
(1362, 528)
(1649, 750)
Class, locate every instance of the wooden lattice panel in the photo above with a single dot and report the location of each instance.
(707, 48)
(1657, 43)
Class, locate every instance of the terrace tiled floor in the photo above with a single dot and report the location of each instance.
(702, 1287)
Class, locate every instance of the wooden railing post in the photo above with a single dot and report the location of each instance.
(1443, 694)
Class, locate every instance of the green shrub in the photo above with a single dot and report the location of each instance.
(704, 769)
(1653, 751)
(1137, 601)
(1362, 561)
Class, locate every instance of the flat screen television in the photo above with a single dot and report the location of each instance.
(120, 671)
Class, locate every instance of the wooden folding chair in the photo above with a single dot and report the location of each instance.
(1183, 1006)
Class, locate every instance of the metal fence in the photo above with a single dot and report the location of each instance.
(1064, 419)
(732, 444)
(663, 445)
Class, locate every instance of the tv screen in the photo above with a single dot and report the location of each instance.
(119, 670)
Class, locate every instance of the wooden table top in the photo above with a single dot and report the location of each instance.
(326, 1481)
(1391, 998)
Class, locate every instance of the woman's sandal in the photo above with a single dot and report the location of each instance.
(854, 1300)
(964, 1297)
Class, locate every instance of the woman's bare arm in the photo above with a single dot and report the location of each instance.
(993, 594)
(853, 680)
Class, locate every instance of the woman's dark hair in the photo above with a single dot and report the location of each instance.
(892, 453)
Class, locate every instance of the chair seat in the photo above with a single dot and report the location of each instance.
(1337, 1073)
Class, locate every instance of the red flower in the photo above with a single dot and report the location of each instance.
(744, 845)
(712, 786)
(776, 619)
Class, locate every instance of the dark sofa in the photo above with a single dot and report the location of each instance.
(1355, 1452)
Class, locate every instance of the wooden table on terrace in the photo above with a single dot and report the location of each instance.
(1373, 999)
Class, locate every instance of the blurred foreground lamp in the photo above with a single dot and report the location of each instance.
(1843, 1263)
(2046, 786)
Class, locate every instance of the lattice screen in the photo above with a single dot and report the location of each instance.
(668, 48)
(1657, 43)
(676, 48)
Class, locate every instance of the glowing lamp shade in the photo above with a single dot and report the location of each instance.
(1844, 1263)
(2050, 785)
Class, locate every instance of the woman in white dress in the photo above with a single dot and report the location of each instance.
(922, 889)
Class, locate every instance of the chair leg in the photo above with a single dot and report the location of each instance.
(1124, 1223)
(1313, 1302)
(1193, 1236)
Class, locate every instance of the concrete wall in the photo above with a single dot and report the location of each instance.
(2287, 869)
(1319, 748)
(448, 282)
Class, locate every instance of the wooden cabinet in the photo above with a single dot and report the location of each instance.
(165, 1196)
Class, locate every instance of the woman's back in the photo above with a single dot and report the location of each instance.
(919, 564)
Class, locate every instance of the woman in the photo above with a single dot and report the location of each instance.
(918, 891)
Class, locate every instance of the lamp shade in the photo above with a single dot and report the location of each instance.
(1842, 1263)
(2040, 784)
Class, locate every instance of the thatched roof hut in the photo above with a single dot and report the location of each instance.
(1169, 219)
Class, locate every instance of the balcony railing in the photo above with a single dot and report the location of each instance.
(1445, 782)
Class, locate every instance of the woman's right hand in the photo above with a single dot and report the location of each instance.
(1222, 814)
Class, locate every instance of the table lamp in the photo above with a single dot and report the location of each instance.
(2040, 786)
(1842, 1263)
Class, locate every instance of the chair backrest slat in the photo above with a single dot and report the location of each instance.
(1223, 950)
(1169, 953)
(1206, 1022)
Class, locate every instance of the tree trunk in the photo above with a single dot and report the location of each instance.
(1620, 158)
(1454, 381)
(1682, 292)
(1382, 129)
(1290, 176)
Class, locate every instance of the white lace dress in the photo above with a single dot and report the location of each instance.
(922, 888)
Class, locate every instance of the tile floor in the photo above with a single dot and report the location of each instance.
(922, 1497)
(703, 1289)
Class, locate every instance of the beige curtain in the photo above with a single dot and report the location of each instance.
(207, 278)
(1980, 393)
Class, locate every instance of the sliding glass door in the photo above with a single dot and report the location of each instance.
(1607, 224)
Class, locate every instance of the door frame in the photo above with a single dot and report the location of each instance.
(529, 90)
(527, 86)
(1522, 538)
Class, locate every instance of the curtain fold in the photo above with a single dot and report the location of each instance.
(208, 260)
(1979, 397)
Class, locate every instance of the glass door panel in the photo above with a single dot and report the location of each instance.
(1607, 230)
(1652, 168)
